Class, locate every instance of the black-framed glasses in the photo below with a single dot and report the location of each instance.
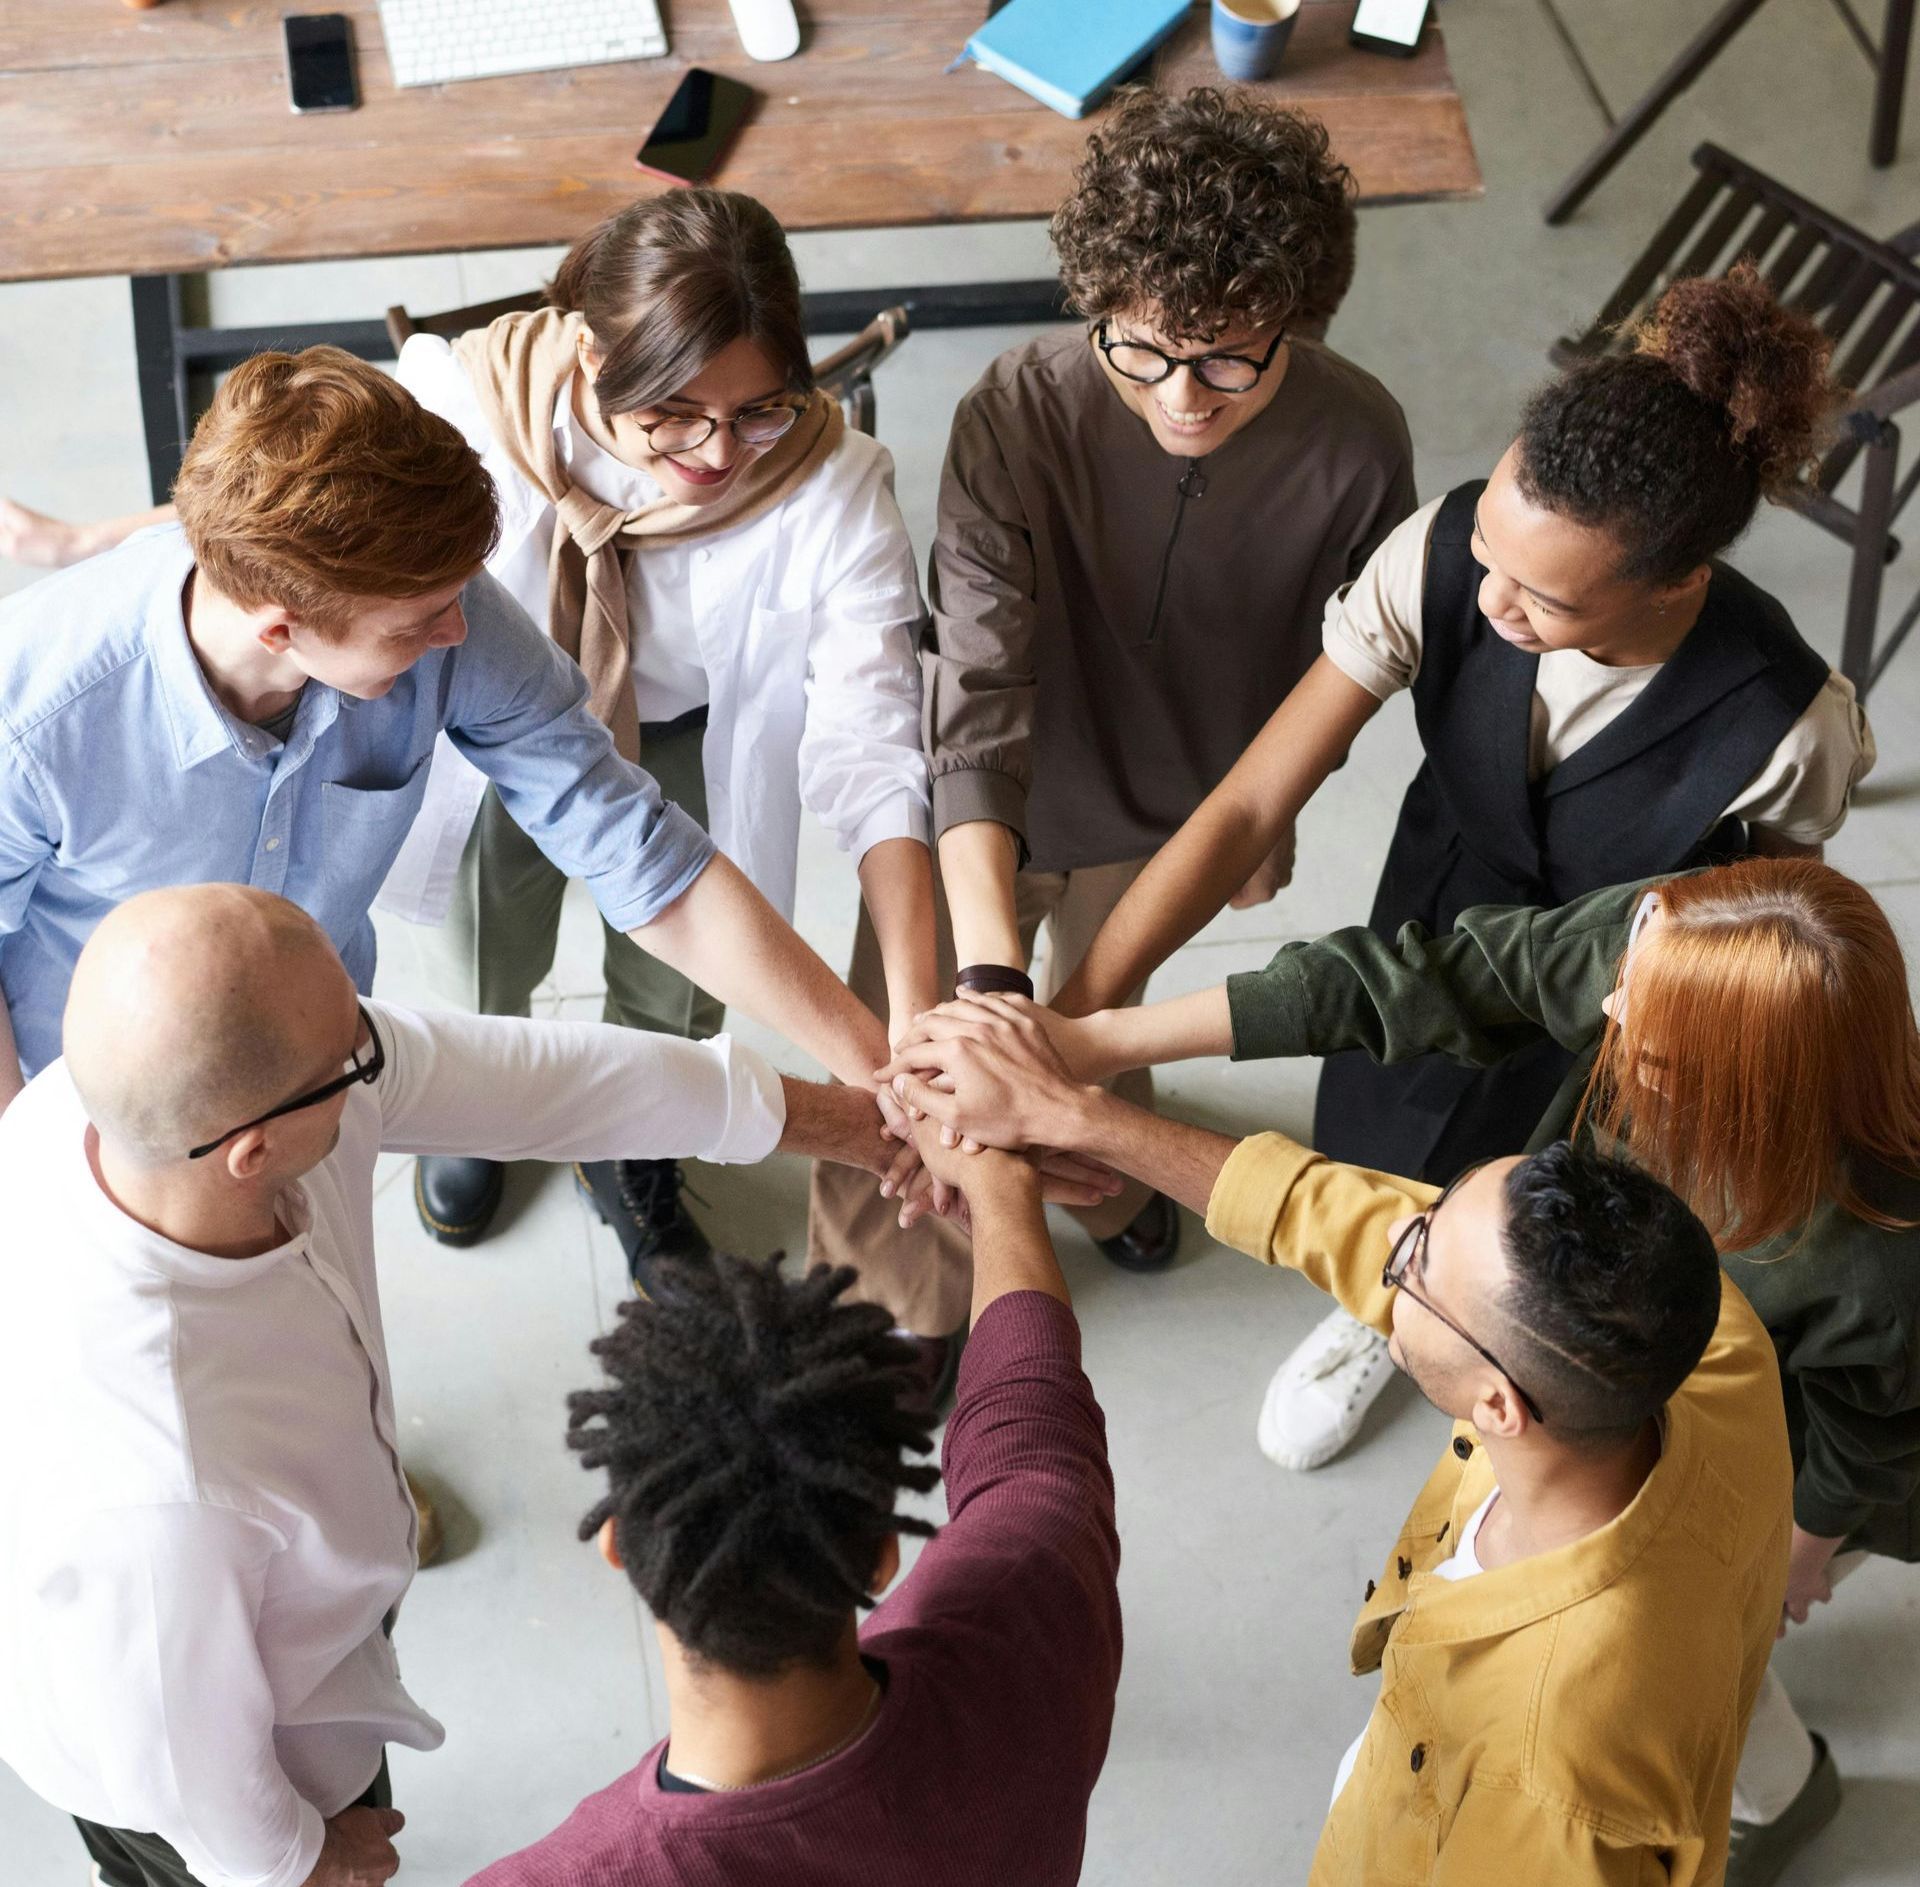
(1147, 366)
(1409, 1253)
(357, 1071)
(758, 426)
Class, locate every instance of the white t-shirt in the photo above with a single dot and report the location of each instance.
(203, 1518)
(1372, 634)
(1463, 1563)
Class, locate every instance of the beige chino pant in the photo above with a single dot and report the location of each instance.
(925, 1277)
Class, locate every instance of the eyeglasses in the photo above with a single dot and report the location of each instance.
(356, 1071)
(1147, 366)
(759, 426)
(1410, 1253)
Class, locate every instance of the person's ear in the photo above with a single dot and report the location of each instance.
(609, 1546)
(886, 1567)
(587, 351)
(1671, 595)
(247, 1154)
(1497, 1413)
(277, 637)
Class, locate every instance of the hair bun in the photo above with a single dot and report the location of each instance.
(1733, 343)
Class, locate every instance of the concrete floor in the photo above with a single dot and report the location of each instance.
(1239, 1582)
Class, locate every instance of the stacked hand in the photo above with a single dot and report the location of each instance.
(993, 1045)
(988, 1071)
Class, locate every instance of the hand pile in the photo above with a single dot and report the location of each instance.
(979, 1072)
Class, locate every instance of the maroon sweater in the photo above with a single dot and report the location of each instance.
(1002, 1654)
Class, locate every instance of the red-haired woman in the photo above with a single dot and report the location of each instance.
(1746, 1033)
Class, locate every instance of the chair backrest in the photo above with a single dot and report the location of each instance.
(846, 373)
(1864, 294)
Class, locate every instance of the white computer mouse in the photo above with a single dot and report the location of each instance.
(768, 29)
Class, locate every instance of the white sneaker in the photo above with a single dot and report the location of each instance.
(1320, 1393)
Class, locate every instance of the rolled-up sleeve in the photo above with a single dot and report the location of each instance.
(978, 661)
(157, 1624)
(25, 844)
(863, 769)
(1372, 629)
(518, 710)
(1284, 1204)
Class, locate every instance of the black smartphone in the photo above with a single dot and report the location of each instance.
(690, 136)
(320, 62)
(1389, 26)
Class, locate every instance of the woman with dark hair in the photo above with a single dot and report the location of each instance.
(1599, 699)
(697, 526)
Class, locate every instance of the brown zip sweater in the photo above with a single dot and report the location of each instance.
(1112, 625)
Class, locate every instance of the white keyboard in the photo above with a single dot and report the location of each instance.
(432, 41)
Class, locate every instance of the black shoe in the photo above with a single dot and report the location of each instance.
(937, 1372)
(456, 1199)
(1150, 1242)
(1760, 1852)
(640, 1199)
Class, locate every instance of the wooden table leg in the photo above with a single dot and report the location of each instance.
(1707, 46)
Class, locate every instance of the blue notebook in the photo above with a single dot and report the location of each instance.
(1067, 53)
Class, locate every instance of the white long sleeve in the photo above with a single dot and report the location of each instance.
(502, 1088)
(161, 1627)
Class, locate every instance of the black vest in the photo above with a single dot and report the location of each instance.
(1648, 794)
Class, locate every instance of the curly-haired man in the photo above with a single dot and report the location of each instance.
(1140, 524)
(755, 1432)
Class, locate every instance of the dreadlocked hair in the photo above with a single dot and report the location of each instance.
(753, 1432)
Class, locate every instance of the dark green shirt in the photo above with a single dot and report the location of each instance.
(1841, 1299)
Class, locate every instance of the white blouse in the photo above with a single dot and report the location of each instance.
(798, 630)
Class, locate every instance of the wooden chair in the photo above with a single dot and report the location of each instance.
(847, 373)
(1866, 295)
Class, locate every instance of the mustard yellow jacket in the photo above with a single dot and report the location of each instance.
(1571, 1718)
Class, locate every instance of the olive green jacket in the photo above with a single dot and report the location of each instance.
(1841, 1299)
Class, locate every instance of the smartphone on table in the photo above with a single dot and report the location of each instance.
(692, 134)
(320, 62)
(1390, 26)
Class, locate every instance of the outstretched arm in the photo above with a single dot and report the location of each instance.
(1233, 831)
(33, 538)
(721, 933)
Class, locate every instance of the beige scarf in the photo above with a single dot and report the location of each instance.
(518, 366)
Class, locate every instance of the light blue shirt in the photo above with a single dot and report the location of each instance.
(120, 771)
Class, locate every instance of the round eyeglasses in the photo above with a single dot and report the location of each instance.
(1147, 365)
(758, 426)
(1409, 1254)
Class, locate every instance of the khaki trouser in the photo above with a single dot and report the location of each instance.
(499, 938)
(925, 1277)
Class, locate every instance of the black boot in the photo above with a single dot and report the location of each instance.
(1150, 1242)
(456, 1199)
(640, 1199)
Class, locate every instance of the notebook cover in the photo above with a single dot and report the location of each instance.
(1066, 53)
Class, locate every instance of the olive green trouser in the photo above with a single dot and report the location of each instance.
(498, 941)
(925, 1276)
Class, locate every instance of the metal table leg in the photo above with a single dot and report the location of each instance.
(1707, 46)
(1890, 88)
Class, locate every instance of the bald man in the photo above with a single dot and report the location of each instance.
(204, 1529)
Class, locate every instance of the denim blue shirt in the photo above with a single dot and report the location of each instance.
(120, 771)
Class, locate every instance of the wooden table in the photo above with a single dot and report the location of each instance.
(159, 143)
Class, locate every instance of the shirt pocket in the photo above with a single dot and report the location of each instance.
(364, 824)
